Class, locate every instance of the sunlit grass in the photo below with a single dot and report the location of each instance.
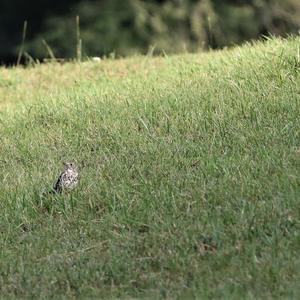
(189, 176)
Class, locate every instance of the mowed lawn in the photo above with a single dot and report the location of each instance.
(190, 176)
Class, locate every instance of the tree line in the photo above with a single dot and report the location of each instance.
(124, 27)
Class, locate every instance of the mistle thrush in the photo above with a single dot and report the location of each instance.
(68, 179)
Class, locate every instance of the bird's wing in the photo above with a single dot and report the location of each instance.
(58, 185)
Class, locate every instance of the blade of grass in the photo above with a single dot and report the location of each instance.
(79, 41)
(49, 50)
(22, 43)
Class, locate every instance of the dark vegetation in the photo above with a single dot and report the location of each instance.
(133, 26)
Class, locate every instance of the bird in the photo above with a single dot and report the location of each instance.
(67, 180)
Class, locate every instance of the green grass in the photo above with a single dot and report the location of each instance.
(190, 176)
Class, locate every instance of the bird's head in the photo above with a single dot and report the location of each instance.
(69, 165)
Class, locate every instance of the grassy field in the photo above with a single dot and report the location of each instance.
(190, 176)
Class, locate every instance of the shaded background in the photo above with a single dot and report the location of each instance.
(125, 27)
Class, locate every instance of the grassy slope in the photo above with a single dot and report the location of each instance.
(190, 176)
